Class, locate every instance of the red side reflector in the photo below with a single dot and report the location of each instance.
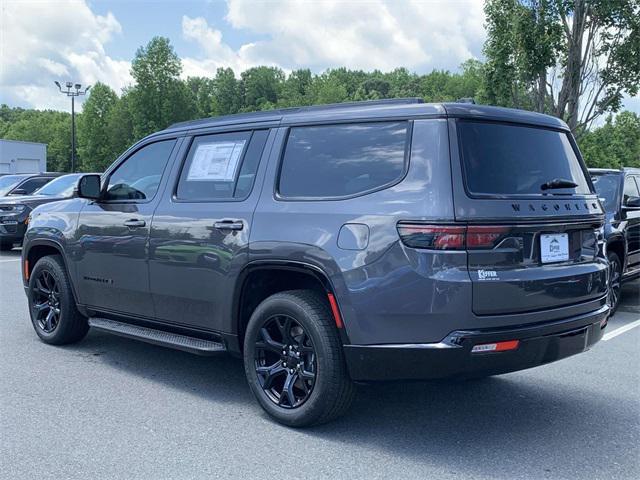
(496, 347)
(26, 269)
(334, 310)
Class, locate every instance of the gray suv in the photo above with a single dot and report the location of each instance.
(385, 240)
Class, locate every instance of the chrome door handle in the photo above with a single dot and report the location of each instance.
(229, 225)
(134, 223)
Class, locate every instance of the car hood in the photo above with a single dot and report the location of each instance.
(29, 200)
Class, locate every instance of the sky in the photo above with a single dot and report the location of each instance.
(86, 41)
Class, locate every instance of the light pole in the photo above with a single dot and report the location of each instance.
(73, 91)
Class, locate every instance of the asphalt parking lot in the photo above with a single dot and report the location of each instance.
(115, 408)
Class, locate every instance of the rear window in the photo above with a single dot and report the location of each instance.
(501, 159)
(334, 161)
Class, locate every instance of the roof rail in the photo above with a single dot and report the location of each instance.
(310, 108)
(466, 100)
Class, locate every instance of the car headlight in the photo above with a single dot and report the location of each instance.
(12, 209)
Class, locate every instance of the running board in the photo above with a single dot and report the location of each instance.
(158, 337)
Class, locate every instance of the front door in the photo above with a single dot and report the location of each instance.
(113, 233)
(200, 233)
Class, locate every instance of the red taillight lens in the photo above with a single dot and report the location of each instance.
(483, 236)
(449, 237)
(437, 237)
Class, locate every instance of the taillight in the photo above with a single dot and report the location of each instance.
(435, 237)
(483, 236)
(449, 237)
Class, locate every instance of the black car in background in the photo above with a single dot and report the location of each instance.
(619, 192)
(24, 183)
(15, 209)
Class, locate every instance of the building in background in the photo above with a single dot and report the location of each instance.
(22, 157)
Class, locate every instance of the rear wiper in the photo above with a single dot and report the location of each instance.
(558, 183)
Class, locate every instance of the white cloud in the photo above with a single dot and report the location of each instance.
(382, 34)
(41, 42)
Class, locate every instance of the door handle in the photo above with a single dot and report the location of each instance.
(229, 225)
(134, 223)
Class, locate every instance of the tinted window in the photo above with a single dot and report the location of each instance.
(342, 160)
(607, 188)
(31, 185)
(221, 166)
(8, 182)
(504, 159)
(630, 189)
(60, 187)
(138, 177)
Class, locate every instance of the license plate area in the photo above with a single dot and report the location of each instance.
(554, 247)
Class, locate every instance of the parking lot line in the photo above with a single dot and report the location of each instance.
(621, 330)
(10, 260)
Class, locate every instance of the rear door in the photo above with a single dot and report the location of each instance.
(532, 219)
(200, 233)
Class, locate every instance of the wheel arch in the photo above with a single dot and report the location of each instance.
(257, 282)
(38, 249)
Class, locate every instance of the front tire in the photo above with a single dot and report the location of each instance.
(52, 306)
(615, 281)
(6, 246)
(294, 362)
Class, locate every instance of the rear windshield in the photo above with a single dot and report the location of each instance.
(607, 189)
(501, 159)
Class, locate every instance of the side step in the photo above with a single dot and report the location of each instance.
(158, 337)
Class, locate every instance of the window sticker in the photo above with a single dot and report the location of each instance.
(216, 161)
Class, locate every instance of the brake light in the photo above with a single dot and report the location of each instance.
(483, 236)
(449, 237)
(436, 237)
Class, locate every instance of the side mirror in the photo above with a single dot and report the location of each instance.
(632, 202)
(18, 191)
(89, 187)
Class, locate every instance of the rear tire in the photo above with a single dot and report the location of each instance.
(615, 281)
(52, 306)
(314, 386)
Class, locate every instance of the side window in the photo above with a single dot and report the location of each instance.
(138, 177)
(221, 166)
(630, 189)
(31, 185)
(333, 161)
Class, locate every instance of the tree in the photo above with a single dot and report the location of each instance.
(260, 87)
(94, 145)
(615, 144)
(574, 59)
(43, 126)
(120, 125)
(226, 93)
(159, 97)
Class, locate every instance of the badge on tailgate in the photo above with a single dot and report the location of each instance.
(554, 247)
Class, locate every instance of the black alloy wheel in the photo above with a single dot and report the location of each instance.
(615, 280)
(285, 361)
(52, 306)
(45, 301)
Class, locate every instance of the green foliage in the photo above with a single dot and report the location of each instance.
(109, 124)
(574, 59)
(615, 144)
(94, 143)
(43, 126)
(159, 97)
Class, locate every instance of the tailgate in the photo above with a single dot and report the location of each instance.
(536, 267)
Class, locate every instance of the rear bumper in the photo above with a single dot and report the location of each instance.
(452, 357)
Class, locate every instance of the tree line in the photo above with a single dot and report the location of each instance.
(541, 55)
